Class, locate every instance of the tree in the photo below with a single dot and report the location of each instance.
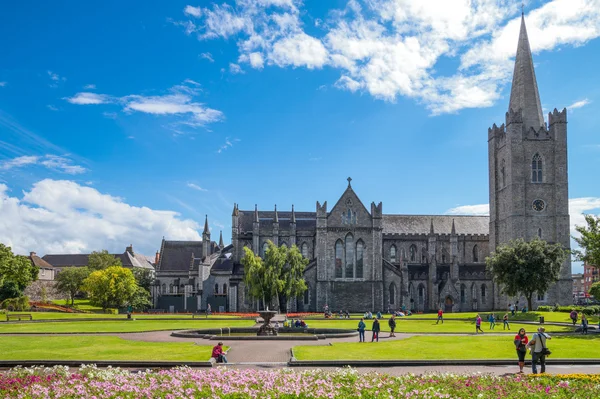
(99, 260)
(141, 299)
(278, 275)
(522, 267)
(143, 277)
(595, 290)
(16, 268)
(113, 287)
(70, 281)
(589, 241)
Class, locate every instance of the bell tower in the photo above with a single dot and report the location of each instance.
(528, 173)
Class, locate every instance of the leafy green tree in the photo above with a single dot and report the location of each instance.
(70, 281)
(99, 260)
(143, 277)
(589, 241)
(278, 275)
(522, 267)
(595, 290)
(9, 289)
(16, 268)
(141, 299)
(113, 287)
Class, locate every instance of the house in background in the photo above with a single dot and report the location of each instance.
(129, 259)
(46, 272)
(578, 287)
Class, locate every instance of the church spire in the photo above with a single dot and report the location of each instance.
(524, 92)
(256, 213)
(206, 229)
(221, 240)
(293, 215)
(276, 217)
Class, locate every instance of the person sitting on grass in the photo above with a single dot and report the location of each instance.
(218, 354)
(347, 314)
(297, 323)
(303, 324)
(379, 315)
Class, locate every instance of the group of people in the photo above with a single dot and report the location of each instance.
(584, 321)
(514, 308)
(536, 346)
(298, 323)
(492, 320)
(376, 328)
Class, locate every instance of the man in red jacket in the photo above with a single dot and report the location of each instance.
(440, 317)
(218, 353)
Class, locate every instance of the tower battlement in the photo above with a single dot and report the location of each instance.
(557, 116)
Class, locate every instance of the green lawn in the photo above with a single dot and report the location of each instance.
(166, 316)
(409, 325)
(119, 326)
(447, 347)
(81, 304)
(100, 348)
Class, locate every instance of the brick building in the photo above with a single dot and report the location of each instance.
(590, 276)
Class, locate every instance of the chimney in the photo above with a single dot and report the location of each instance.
(32, 254)
(156, 258)
(129, 249)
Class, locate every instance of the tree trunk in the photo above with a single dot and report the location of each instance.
(529, 308)
(282, 303)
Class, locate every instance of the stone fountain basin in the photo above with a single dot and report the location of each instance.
(238, 334)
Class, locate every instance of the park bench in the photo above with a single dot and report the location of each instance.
(18, 316)
(199, 315)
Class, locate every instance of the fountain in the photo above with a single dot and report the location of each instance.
(267, 328)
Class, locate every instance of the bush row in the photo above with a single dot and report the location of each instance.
(586, 310)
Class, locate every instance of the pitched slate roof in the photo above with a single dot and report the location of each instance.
(177, 255)
(128, 259)
(304, 220)
(442, 224)
(39, 262)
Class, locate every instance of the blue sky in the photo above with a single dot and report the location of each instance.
(124, 122)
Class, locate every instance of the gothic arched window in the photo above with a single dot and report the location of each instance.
(216, 289)
(359, 259)
(402, 254)
(224, 289)
(392, 294)
(483, 292)
(349, 256)
(164, 288)
(475, 254)
(424, 255)
(393, 254)
(413, 253)
(536, 169)
(503, 173)
(463, 293)
(540, 233)
(304, 250)
(170, 288)
(264, 249)
(421, 290)
(339, 258)
(307, 295)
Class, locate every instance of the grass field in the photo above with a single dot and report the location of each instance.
(409, 325)
(119, 326)
(447, 347)
(100, 348)
(166, 316)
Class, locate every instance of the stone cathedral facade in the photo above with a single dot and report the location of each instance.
(361, 258)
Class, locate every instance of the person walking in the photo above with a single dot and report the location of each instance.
(505, 321)
(392, 324)
(512, 308)
(521, 342)
(584, 324)
(573, 316)
(440, 316)
(376, 328)
(478, 324)
(492, 320)
(361, 330)
(539, 351)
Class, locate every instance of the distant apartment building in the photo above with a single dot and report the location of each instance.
(578, 290)
(590, 276)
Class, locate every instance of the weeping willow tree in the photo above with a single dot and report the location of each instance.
(279, 275)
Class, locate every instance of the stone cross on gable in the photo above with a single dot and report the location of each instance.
(349, 180)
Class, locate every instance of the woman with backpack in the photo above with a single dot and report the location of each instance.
(376, 328)
(521, 342)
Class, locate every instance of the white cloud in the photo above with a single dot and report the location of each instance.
(54, 76)
(58, 216)
(207, 56)
(86, 98)
(193, 11)
(196, 187)
(51, 107)
(19, 162)
(235, 69)
(579, 104)
(179, 103)
(2, 84)
(89, 87)
(392, 48)
(228, 144)
(54, 162)
(481, 210)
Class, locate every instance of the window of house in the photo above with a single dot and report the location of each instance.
(483, 293)
(307, 296)
(359, 259)
(413, 253)
(349, 256)
(393, 254)
(541, 297)
(536, 169)
(43, 272)
(463, 294)
(339, 257)
(475, 253)
(170, 288)
(304, 250)
(392, 294)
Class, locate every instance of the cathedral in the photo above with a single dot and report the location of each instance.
(361, 258)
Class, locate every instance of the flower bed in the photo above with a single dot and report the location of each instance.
(90, 382)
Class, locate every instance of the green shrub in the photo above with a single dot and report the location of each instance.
(544, 308)
(568, 309)
(16, 304)
(591, 310)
